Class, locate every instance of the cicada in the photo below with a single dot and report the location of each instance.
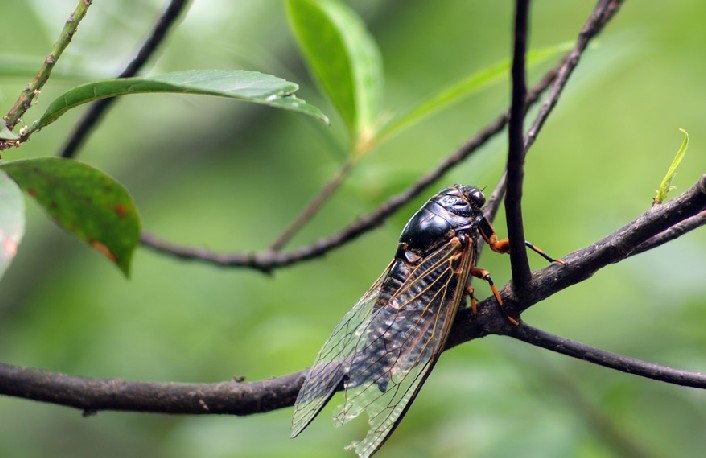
(385, 347)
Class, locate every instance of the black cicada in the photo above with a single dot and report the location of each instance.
(383, 350)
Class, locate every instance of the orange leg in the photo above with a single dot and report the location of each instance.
(503, 246)
(472, 297)
(485, 276)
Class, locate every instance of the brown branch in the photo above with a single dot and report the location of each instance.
(98, 108)
(246, 398)
(621, 363)
(516, 153)
(670, 234)
(91, 395)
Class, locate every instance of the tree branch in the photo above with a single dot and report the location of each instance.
(246, 398)
(91, 395)
(98, 108)
(671, 233)
(577, 350)
(516, 153)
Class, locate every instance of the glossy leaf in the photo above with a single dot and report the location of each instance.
(12, 220)
(344, 59)
(248, 86)
(85, 201)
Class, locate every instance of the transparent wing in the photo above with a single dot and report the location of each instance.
(382, 354)
(327, 372)
(401, 343)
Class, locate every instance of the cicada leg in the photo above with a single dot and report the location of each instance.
(472, 298)
(485, 276)
(541, 252)
(503, 245)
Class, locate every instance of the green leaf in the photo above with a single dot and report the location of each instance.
(12, 220)
(344, 59)
(252, 87)
(666, 185)
(85, 201)
(464, 88)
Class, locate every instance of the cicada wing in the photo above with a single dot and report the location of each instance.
(327, 372)
(401, 343)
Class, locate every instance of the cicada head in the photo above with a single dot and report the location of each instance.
(461, 200)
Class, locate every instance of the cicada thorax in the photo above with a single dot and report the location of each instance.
(435, 254)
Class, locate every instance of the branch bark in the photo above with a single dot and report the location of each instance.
(621, 363)
(91, 395)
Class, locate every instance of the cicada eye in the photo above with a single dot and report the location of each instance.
(477, 197)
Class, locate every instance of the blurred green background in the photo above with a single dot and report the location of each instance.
(227, 176)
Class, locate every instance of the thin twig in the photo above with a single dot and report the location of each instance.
(670, 234)
(620, 363)
(35, 86)
(516, 153)
(98, 108)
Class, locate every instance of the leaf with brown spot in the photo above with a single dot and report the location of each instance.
(85, 201)
(104, 250)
